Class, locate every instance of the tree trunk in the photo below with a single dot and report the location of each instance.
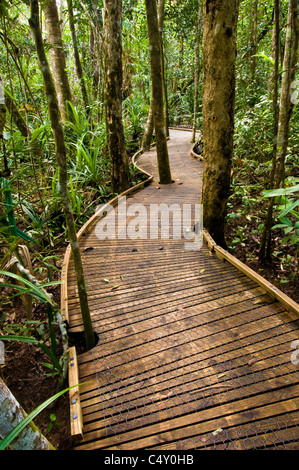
(60, 152)
(6, 171)
(178, 69)
(2, 108)
(219, 49)
(58, 62)
(265, 243)
(254, 39)
(288, 77)
(149, 129)
(196, 70)
(275, 46)
(157, 92)
(112, 19)
(16, 116)
(76, 54)
(282, 126)
(11, 414)
(161, 16)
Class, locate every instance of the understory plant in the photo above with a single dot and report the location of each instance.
(27, 284)
(287, 206)
(6, 442)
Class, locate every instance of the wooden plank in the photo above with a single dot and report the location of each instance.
(265, 433)
(74, 396)
(120, 414)
(130, 375)
(270, 288)
(222, 416)
(108, 301)
(184, 358)
(197, 334)
(152, 286)
(155, 354)
(198, 372)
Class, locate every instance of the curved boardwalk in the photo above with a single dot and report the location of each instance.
(192, 352)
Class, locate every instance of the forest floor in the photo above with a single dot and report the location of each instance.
(27, 377)
(243, 242)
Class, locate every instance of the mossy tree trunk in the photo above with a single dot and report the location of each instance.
(60, 152)
(196, 70)
(58, 62)
(112, 19)
(283, 117)
(16, 116)
(149, 128)
(6, 171)
(219, 49)
(76, 55)
(157, 92)
(161, 16)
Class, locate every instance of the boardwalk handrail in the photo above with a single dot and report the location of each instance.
(224, 255)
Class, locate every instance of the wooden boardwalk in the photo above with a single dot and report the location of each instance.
(193, 352)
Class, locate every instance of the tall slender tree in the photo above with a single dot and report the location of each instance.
(219, 54)
(76, 54)
(197, 69)
(149, 128)
(161, 17)
(281, 132)
(112, 19)
(58, 62)
(60, 152)
(157, 92)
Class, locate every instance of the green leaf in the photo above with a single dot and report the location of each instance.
(288, 230)
(279, 226)
(19, 428)
(281, 191)
(286, 221)
(29, 339)
(265, 57)
(294, 238)
(289, 209)
(35, 291)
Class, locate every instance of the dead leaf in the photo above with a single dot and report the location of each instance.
(217, 431)
(221, 375)
(252, 361)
